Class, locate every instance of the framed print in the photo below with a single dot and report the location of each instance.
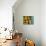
(28, 19)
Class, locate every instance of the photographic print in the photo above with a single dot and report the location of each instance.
(28, 19)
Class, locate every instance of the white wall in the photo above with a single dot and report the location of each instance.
(43, 22)
(29, 8)
(38, 30)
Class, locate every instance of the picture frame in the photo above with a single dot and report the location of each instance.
(28, 20)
